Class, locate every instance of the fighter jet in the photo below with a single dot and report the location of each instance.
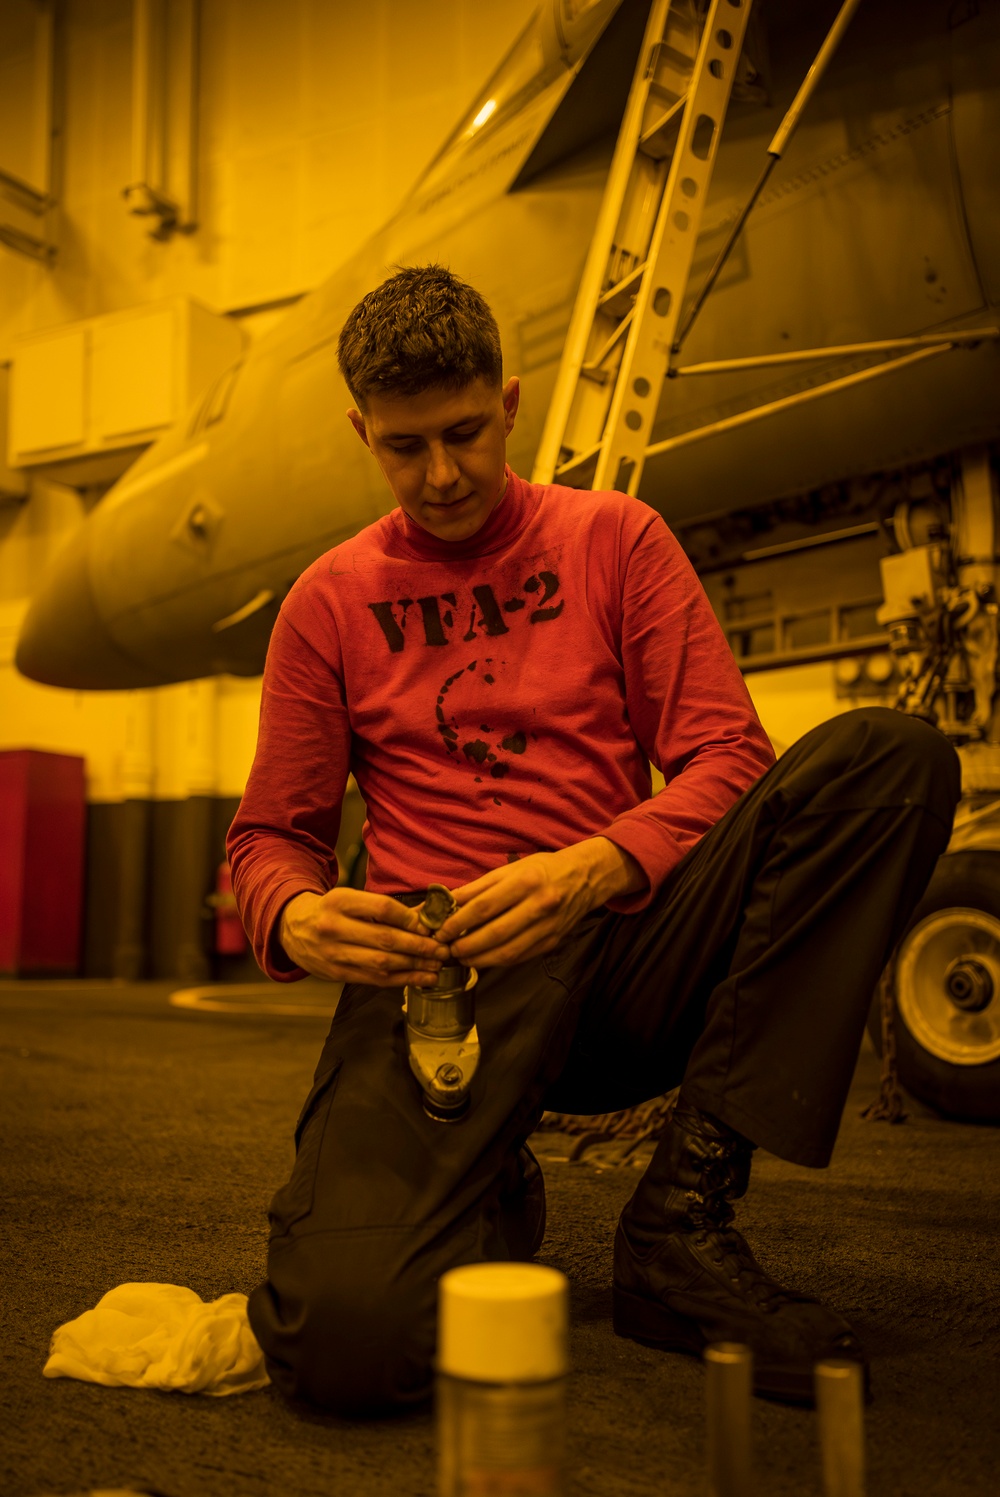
(879, 223)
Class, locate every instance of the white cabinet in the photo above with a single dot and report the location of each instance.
(86, 391)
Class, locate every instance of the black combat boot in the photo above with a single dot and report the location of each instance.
(684, 1277)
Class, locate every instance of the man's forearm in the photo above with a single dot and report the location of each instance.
(290, 916)
(614, 871)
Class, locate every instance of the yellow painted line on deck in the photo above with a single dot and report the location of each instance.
(224, 998)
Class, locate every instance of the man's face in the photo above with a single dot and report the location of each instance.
(442, 452)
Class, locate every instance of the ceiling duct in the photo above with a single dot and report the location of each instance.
(164, 115)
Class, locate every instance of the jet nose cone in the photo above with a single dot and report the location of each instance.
(64, 641)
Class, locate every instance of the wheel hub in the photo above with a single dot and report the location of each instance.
(948, 985)
(969, 984)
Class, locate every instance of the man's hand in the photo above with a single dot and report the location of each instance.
(348, 935)
(526, 908)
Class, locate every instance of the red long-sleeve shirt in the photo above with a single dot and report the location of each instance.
(493, 697)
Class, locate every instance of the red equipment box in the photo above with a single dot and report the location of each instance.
(42, 829)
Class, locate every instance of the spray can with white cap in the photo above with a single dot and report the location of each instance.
(502, 1367)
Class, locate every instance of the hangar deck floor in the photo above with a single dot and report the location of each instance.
(142, 1141)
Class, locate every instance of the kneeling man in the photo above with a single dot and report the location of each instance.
(497, 663)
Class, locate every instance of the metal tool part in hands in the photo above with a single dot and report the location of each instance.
(441, 1036)
(436, 908)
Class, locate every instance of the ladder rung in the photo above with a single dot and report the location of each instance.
(668, 95)
(592, 367)
(579, 468)
(682, 62)
(618, 299)
(659, 139)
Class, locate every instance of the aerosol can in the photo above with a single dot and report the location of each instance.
(441, 1036)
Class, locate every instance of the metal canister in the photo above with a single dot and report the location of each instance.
(442, 1040)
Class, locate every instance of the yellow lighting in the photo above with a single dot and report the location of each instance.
(488, 108)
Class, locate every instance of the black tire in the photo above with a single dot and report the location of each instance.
(967, 881)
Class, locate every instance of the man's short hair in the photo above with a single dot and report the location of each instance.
(421, 328)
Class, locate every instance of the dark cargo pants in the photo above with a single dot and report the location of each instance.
(748, 978)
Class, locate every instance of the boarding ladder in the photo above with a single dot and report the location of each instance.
(627, 310)
(626, 327)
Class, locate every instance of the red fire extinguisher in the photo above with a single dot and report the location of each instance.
(230, 937)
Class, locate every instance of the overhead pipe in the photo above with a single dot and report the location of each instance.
(164, 114)
(800, 397)
(953, 339)
(29, 199)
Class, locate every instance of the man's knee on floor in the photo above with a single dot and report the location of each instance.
(356, 1343)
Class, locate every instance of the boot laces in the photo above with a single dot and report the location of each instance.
(731, 1252)
(724, 1174)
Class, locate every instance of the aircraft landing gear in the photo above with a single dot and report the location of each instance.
(946, 992)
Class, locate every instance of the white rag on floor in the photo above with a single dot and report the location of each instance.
(161, 1336)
